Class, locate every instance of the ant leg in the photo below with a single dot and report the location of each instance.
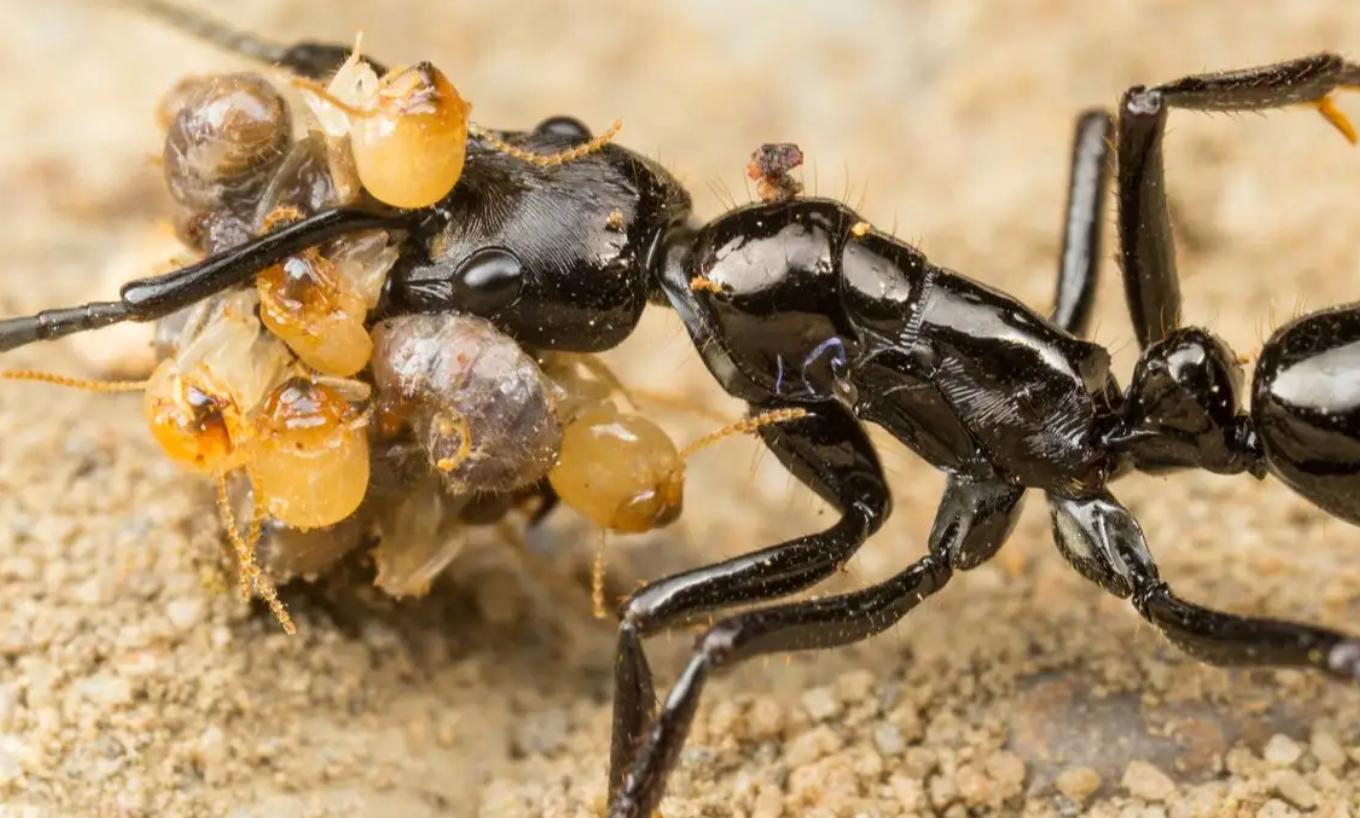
(1104, 543)
(1083, 221)
(1147, 248)
(827, 451)
(151, 298)
(973, 521)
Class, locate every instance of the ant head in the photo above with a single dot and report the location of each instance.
(1182, 407)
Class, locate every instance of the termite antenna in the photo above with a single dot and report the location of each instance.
(251, 577)
(597, 571)
(89, 385)
(744, 426)
(211, 31)
(545, 160)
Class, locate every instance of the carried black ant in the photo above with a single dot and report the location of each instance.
(798, 305)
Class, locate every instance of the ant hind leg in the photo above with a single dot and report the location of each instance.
(1147, 248)
(1104, 543)
(1083, 221)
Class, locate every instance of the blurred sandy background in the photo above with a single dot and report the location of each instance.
(132, 682)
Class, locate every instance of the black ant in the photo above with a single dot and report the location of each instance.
(797, 304)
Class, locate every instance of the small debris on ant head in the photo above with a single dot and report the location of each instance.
(769, 169)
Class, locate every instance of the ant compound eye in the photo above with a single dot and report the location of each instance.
(409, 147)
(488, 281)
(310, 456)
(565, 126)
(227, 134)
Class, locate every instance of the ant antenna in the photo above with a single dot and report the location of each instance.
(211, 31)
(545, 160)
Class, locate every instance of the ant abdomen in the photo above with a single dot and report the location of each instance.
(1306, 408)
(481, 408)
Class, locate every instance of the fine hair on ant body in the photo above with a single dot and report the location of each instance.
(797, 306)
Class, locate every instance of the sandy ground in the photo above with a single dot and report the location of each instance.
(133, 683)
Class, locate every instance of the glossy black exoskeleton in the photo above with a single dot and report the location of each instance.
(556, 257)
(800, 303)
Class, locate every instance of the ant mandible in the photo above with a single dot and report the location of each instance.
(798, 303)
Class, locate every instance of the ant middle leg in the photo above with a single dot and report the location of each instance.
(1105, 544)
(151, 298)
(1147, 249)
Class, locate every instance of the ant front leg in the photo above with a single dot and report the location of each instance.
(1147, 248)
(971, 525)
(973, 521)
(829, 451)
(1105, 544)
(151, 298)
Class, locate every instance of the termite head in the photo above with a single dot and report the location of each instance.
(407, 131)
(620, 470)
(309, 456)
(193, 421)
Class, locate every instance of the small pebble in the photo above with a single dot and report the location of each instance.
(888, 739)
(1146, 781)
(1008, 771)
(820, 704)
(855, 686)
(1282, 751)
(212, 747)
(812, 745)
(1328, 750)
(1275, 808)
(1294, 788)
(185, 613)
(542, 733)
(765, 721)
(105, 689)
(769, 803)
(1078, 783)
